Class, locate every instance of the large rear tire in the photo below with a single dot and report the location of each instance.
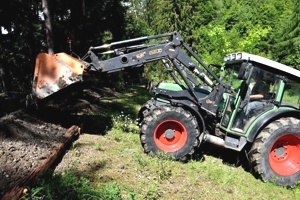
(172, 130)
(275, 154)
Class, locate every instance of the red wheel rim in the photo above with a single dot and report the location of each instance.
(170, 135)
(284, 157)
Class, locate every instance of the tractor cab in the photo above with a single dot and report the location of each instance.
(259, 86)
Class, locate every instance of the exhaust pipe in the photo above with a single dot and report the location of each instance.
(214, 140)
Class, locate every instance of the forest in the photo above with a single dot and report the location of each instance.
(212, 28)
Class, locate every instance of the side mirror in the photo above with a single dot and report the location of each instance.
(243, 72)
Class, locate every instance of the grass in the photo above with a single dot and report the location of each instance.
(291, 98)
(114, 166)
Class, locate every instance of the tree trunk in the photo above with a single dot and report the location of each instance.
(2, 81)
(83, 7)
(48, 26)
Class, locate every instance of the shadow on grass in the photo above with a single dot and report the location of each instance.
(228, 156)
(92, 110)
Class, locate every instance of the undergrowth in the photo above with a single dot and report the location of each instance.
(124, 123)
(126, 172)
(72, 186)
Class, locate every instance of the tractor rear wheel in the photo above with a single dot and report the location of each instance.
(172, 130)
(275, 153)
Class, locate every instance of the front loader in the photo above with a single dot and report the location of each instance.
(198, 106)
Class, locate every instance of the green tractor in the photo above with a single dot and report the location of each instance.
(259, 113)
(265, 113)
(253, 102)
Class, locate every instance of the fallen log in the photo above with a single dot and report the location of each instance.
(19, 189)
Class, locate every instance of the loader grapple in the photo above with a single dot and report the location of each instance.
(55, 72)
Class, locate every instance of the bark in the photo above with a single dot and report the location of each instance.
(48, 26)
(2, 81)
(83, 7)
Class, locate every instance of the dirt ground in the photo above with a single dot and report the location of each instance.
(25, 142)
(27, 138)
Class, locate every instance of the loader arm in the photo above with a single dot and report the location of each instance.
(172, 52)
(138, 58)
(163, 50)
(54, 72)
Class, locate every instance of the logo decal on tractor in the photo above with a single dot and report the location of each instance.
(155, 51)
(208, 101)
(140, 55)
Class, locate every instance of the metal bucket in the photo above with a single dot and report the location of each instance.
(55, 72)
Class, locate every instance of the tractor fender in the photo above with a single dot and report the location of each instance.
(193, 109)
(270, 118)
(147, 107)
(187, 104)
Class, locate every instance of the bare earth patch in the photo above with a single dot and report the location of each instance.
(27, 139)
(25, 142)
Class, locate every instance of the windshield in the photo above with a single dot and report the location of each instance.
(229, 76)
(291, 94)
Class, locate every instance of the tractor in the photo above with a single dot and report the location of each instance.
(204, 104)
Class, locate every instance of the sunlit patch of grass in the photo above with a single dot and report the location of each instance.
(296, 191)
(124, 122)
(70, 186)
(99, 146)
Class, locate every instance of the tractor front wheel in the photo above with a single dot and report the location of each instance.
(145, 109)
(275, 154)
(172, 130)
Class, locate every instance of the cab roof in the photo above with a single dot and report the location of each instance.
(242, 56)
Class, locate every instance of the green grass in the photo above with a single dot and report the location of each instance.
(291, 98)
(117, 168)
(291, 95)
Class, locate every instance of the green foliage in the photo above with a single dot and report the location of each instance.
(223, 42)
(253, 38)
(211, 28)
(124, 123)
(156, 72)
(141, 162)
(72, 186)
(110, 191)
(123, 126)
(215, 28)
(62, 187)
(99, 146)
(296, 191)
(136, 22)
(286, 36)
(162, 160)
